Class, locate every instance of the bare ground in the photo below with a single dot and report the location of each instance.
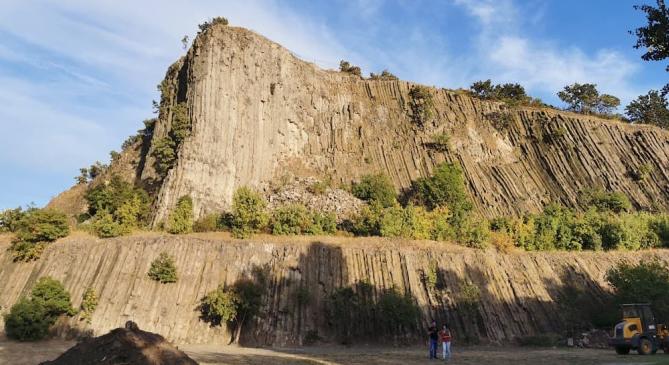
(16, 353)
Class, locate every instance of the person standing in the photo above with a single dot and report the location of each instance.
(445, 337)
(433, 336)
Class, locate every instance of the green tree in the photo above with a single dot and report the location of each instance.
(291, 219)
(34, 229)
(219, 306)
(105, 226)
(345, 66)
(482, 89)
(117, 207)
(581, 98)
(616, 202)
(446, 187)
(10, 218)
(248, 213)
(651, 108)
(654, 36)
(644, 282)
(163, 269)
(606, 104)
(180, 220)
(89, 301)
(375, 188)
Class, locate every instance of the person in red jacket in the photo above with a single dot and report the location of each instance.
(445, 337)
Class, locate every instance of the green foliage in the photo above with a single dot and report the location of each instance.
(441, 142)
(27, 321)
(368, 221)
(422, 105)
(385, 75)
(616, 202)
(128, 204)
(248, 213)
(10, 218)
(180, 220)
(34, 228)
(468, 299)
(165, 150)
(472, 231)
(397, 312)
(585, 98)
(653, 38)
(431, 275)
(219, 306)
(319, 187)
(105, 226)
(30, 319)
(512, 94)
(646, 282)
(219, 20)
(446, 187)
(89, 302)
(500, 120)
(322, 223)
(642, 172)
(163, 269)
(290, 219)
(651, 108)
(345, 66)
(410, 222)
(208, 223)
(375, 188)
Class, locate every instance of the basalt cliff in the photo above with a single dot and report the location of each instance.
(258, 114)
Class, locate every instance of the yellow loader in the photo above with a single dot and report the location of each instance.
(639, 331)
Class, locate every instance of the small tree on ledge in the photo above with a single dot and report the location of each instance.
(163, 269)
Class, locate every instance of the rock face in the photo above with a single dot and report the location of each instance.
(259, 113)
(518, 292)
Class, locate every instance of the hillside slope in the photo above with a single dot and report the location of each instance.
(518, 292)
(258, 113)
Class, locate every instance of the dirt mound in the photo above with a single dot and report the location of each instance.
(128, 345)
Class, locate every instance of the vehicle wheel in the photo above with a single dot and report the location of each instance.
(645, 347)
(622, 350)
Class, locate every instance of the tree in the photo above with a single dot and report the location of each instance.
(654, 36)
(651, 108)
(581, 98)
(607, 103)
(345, 66)
(645, 282)
(163, 269)
(482, 89)
(508, 93)
(180, 220)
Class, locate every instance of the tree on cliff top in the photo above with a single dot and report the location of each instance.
(585, 98)
(651, 108)
(654, 36)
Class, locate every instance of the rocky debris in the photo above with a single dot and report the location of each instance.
(317, 196)
(593, 339)
(122, 346)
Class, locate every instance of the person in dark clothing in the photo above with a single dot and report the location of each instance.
(433, 334)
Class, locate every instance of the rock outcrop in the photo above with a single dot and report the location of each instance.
(258, 114)
(519, 292)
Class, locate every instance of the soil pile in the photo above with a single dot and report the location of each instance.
(128, 345)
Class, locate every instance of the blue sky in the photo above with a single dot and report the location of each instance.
(78, 76)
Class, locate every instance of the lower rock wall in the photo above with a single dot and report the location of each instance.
(518, 291)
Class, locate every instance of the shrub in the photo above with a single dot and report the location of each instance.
(441, 142)
(89, 302)
(431, 275)
(660, 226)
(163, 269)
(208, 223)
(322, 223)
(446, 187)
(319, 187)
(165, 150)
(290, 219)
(105, 226)
(502, 241)
(421, 104)
(385, 75)
(216, 20)
(375, 188)
(27, 321)
(606, 201)
(117, 207)
(30, 319)
(34, 228)
(472, 231)
(181, 219)
(248, 213)
(642, 172)
(368, 221)
(9, 219)
(344, 66)
(645, 282)
(219, 306)
(410, 222)
(397, 312)
(500, 120)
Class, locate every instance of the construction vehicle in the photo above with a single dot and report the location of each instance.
(639, 331)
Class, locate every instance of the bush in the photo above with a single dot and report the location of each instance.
(181, 219)
(219, 306)
(104, 226)
(30, 319)
(89, 302)
(398, 313)
(375, 188)
(27, 321)
(421, 104)
(290, 219)
(208, 223)
(410, 222)
(117, 207)
(472, 231)
(319, 187)
(163, 269)
(248, 213)
(34, 229)
(165, 150)
(385, 76)
(606, 201)
(441, 142)
(322, 223)
(344, 66)
(645, 282)
(642, 172)
(9, 219)
(446, 187)
(368, 221)
(216, 20)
